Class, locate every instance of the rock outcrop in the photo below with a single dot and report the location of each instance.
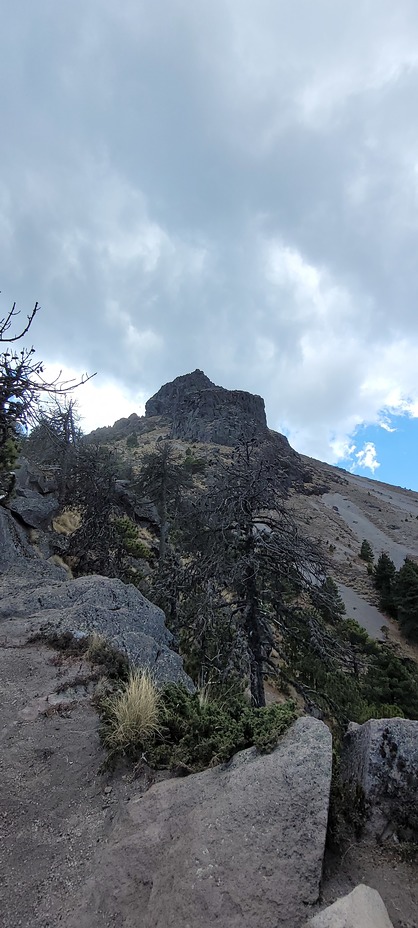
(38, 594)
(362, 908)
(381, 757)
(241, 844)
(34, 498)
(201, 411)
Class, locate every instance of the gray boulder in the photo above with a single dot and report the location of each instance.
(238, 845)
(30, 477)
(362, 908)
(14, 544)
(21, 559)
(381, 757)
(33, 499)
(35, 510)
(116, 610)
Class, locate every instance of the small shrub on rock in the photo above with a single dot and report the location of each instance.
(192, 734)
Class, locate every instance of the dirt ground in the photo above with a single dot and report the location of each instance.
(54, 806)
(383, 869)
(57, 809)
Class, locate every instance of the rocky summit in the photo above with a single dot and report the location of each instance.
(192, 409)
(201, 411)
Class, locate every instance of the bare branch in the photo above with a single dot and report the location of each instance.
(7, 321)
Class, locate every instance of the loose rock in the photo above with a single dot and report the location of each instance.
(363, 908)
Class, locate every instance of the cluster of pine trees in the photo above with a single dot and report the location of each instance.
(398, 593)
(398, 589)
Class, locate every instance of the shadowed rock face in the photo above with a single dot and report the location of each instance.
(201, 411)
(381, 757)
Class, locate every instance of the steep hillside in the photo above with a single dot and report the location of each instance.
(330, 505)
(233, 533)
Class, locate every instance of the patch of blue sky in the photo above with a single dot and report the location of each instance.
(388, 453)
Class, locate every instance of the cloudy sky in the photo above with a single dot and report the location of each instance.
(223, 184)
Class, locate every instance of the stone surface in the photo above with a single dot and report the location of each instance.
(238, 845)
(201, 411)
(14, 544)
(122, 428)
(30, 477)
(381, 757)
(39, 594)
(112, 608)
(35, 510)
(363, 908)
(33, 498)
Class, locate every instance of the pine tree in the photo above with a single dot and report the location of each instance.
(384, 581)
(406, 593)
(366, 552)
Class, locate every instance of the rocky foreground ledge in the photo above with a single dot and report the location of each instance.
(241, 844)
(39, 594)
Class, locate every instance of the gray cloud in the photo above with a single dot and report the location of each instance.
(227, 185)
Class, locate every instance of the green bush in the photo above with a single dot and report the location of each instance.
(384, 581)
(129, 536)
(193, 735)
(366, 552)
(193, 464)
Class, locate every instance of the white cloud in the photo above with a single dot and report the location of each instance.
(230, 186)
(100, 401)
(367, 457)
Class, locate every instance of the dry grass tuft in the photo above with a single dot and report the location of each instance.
(132, 714)
(67, 522)
(96, 644)
(56, 559)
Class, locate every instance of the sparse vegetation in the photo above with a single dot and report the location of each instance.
(111, 662)
(130, 539)
(366, 552)
(398, 593)
(132, 441)
(131, 714)
(179, 731)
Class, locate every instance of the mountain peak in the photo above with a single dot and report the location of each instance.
(199, 410)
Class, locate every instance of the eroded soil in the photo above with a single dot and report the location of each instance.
(55, 807)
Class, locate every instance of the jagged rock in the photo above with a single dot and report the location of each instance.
(33, 498)
(112, 608)
(30, 477)
(362, 908)
(201, 411)
(38, 593)
(381, 757)
(35, 510)
(239, 845)
(14, 543)
(122, 428)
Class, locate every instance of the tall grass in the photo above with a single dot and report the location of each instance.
(132, 714)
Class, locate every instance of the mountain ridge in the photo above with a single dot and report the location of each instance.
(336, 507)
